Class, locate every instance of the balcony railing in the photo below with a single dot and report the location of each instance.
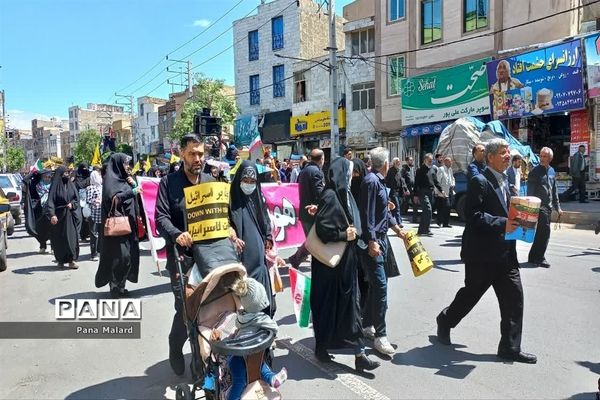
(279, 89)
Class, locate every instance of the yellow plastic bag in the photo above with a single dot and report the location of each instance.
(419, 259)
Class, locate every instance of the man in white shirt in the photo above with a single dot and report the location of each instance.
(514, 175)
(445, 177)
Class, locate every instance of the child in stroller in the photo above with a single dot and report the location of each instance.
(253, 298)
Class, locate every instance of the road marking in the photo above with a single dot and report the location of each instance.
(357, 386)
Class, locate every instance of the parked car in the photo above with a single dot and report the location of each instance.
(12, 190)
(4, 215)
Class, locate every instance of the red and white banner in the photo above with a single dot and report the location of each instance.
(149, 194)
(283, 203)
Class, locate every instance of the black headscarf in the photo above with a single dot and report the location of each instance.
(361, 169)
(115, 181)
(82, 178)
(253, 204)
(61, 192)
(337, 180)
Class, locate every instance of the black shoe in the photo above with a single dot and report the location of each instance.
(517, 356)
(114, 293)
(597, 230)
(322, 355)
(544, 264)
(363, 363)
(177, 362)
(443, 330)
(447, 226)
(429, 233)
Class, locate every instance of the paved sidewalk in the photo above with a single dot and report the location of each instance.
(580, 215)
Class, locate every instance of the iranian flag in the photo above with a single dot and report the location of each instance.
(300, 285)
(256, 147)
(37, 167)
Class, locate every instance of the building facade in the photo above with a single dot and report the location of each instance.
(98, 117)
(280, 27)
(414, 37)
(47, 138)
(146, 124)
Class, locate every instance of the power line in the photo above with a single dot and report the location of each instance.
(183, 45)
(488, 33)
(227, 48)
(208, 27)
(243, 38)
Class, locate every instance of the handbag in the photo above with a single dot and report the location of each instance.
(390, 265)
(116, 226)
(330, 253)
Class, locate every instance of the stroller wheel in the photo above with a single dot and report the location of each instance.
(182, 392)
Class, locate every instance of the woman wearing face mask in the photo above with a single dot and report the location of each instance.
(119, 255)
(62, 210)
(334, 295)
(250, 220)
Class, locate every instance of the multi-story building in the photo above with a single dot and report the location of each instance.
(415, 37)
(146, 124)
(98, 117)
(46, 136)
(310, 120)
(122, 131)
(359, 76)
(266, 46)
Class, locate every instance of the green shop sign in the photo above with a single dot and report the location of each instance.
(451, 93)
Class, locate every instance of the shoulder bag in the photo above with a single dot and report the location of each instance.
(330, 253)
(116, 226)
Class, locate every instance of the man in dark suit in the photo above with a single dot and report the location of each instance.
(477, 165)
(425, 183)
(542, 184)
(490, 260)
(577, 169)
(310, 185)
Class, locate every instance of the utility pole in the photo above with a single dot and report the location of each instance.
(333, 90)
(189, 74)
(129, 103)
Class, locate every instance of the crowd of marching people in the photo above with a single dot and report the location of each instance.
(350, 204)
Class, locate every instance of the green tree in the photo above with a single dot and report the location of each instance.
(15, 158)
(210, 93)
(125, 148)
(86, 144)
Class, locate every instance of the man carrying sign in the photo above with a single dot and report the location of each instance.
(172, 226)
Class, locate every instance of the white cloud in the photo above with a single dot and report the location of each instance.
(202, 23)
(22, 119)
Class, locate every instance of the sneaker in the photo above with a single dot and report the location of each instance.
(383, 346)
(72, 265)
(369, 332)
(94, 258)
(278, 379)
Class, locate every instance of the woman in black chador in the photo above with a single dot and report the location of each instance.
(82, 181)
(119, 255)
(334, 294)
(249, 217)
(63, 211)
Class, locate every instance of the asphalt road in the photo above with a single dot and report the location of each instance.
(561, 326)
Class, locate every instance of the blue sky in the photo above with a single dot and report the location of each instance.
(59, 53)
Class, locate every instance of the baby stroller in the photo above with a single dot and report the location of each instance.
(210, 310)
